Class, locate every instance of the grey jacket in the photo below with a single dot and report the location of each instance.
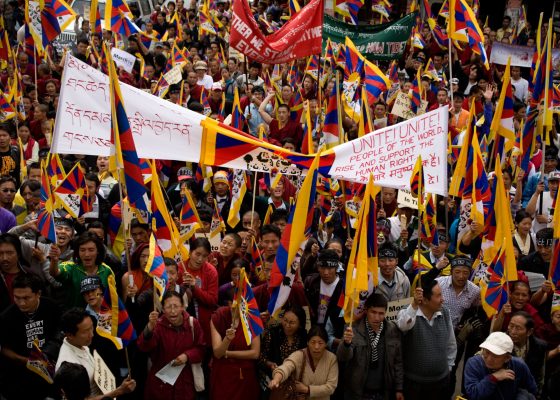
(356, 358)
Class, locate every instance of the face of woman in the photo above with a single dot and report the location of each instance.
(173, 311)
(235, 274)
(198, 258)
(144, 257)
(50, 88)
(102, 163)
(316, 346)
(519, 297)
(525, 225)
(24, 133)
(337, 247)
(290, 323)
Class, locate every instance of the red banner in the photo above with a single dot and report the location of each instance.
(300, 37)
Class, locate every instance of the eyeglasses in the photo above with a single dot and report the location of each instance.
(9, 190)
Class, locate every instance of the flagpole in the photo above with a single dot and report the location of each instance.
(126, 233)
(254, 197)
(450, 62)
(35, 69)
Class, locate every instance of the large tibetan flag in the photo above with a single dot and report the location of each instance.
(363, 256)
(73, 193)
(246, 308)
(299, 222)
(256, 260)
(155, 267)
(95, 18)
(556, 217)
(118, 18)
(502, 123)
(125, 149)
(46, 19)
(375, 82)
(494, 294)
(113, 322)
(237, 116)
(7, 112)
(463, 26)
(45, 219)
(39, 363)
(349, 9)
(331, 125)
(416, 93)
(428, 221)
(189, 219)
(238, 190)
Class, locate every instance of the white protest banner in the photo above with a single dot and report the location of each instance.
(123, 59)
(393, 308)
(521, 56)
(161, 129)
(102, 375)
(174, 75)
(405, 198)
(402, 109)
(390, 154)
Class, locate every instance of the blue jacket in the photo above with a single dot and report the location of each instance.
(479, 386)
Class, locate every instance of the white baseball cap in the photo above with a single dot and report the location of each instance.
(498, 343)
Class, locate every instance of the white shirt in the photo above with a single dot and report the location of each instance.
(547, 210)
(206, 81)
(521, 88)
(407, 318)
(80, 356)
(325, 294)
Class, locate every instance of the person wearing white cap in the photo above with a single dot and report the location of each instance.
(204, 80)
(543, 210)
(495, 374)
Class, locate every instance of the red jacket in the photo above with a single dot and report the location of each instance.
(164, 345)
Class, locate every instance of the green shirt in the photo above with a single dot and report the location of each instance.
(71, 275)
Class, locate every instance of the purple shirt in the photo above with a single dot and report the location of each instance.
(7, 220)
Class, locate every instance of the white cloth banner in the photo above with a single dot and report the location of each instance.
(161, 129)
(390, 154)
(123, 59)
(521, 56)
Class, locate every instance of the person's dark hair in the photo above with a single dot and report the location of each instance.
(201, 242)
(284, 106)
(507, 17)
(317, 330)
(6, 128)
(10, 238)
(96, 225)
(71, 319)
(169, 294)
(83, 41)
(279, 215)
(266, 229)
(7, 178)
(34, 165)
(135, 223)
(32, 185)
(204, 216)
(31, 281)
(73, 379)
(457, 95)
(518, 105)
(91, 176)
(255, 64)
(236, 238)
(376, 300)
(521, 215)
(529, 321)
(299, 313)
(427, 287)
(168, 261)
(87, 237)
(241, 263)
(545, 233)
(135, 257)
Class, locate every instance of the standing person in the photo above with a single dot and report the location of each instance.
(9, 155)
(175, 338)
(543, 210)
(315, 368)
(281, 127)
(30, 318)
(393, 283)
(11, 264)
(429, 346)
(495, 374)
(372, 355)
(233, 374)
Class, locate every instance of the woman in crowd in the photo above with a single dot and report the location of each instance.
(174, 339)
(233, 373)
(280, 341)
(315, 368)
(200, 281)
(520, 294)
(136, 281)
(30, 146)
(226, 291)
(523, 238)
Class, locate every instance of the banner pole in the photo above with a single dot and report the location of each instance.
(450, 61)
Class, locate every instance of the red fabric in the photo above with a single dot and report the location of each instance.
(206, 295)
(166, 343)
(230, 378)
(292, 130)
(528, 308)
(27, 153)
(196, 92)
(297, 296)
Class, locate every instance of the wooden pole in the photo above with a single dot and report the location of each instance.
(126, 231)
(254, 197)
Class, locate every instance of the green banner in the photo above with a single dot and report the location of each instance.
(375, 42)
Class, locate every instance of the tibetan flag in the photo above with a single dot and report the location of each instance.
(119, 19)
(237, 116)
(257, 261)
(46, 19)
(353, 69)
(297, 107)
(416, 93)
(502, 123)
(73, 193)
(393, 72)
(247, 309)
(365, 125)
(556, 217)
(331, 127)
(417, 181)
(238, 190)
(190, 221)
(55, 170)
(205, 21)
(95, 18)
(113, 322)
(217, 225)
(204, 101)
(269, 211)
(431, 71)
(22, 163)
(481, 193)
(39, 363)
(375, 82)
(7, 112)
(440, 37)
(554, 273)
(155, 267)
(363, 256)
(299, 222)
(293, 7)
(125, 149)
(204, 174)
(307, 143)
(429, 221)
(494, 294)
(45, 219)
(312, 68)
(463, 26)
(444, 10)
(349, 9)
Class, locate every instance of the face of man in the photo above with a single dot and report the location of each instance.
(387, 267)
(440, 249)
(460, 276)
(26, 300)
(4, 139)
(140, 235)
(270, 243)
(283, 114)
(7, 193)
(81, 48)
(192, 78)
(549, 164)
(83, 335)
(88, 254)
(517, 330)
(436, 301)
(375, 316)
(389, 195)
(442, 97)
(327, 274)
(64, 235)
(221, 188)
(493, 361)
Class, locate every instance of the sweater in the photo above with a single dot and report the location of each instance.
(424, 355)
(322, 382)
(479, 385)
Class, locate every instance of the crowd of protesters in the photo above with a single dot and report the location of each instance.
(51, 293)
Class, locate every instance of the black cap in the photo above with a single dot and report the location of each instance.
(64, 222)
(387, 251)
(461, 262)
(90, 283)
(327, 259)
